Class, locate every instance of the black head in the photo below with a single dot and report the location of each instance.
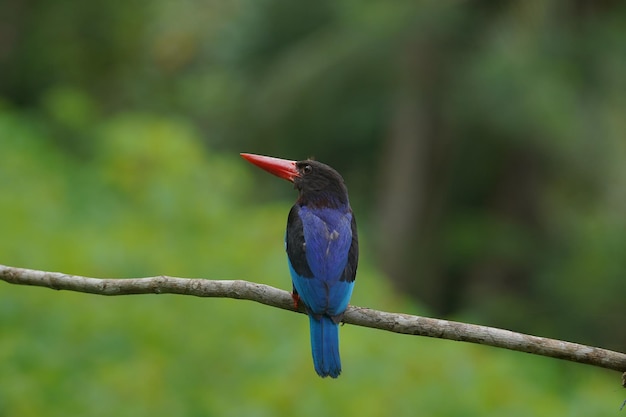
(319, 184)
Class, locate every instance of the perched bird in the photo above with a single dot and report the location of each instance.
(322, 250)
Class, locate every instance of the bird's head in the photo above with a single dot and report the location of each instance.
(317, 183)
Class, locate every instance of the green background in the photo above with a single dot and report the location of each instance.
(120, 128)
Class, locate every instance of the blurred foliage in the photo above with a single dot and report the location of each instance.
(483, 144)
(161, 204)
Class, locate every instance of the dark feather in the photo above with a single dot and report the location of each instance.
(296, 246)
(349, 273)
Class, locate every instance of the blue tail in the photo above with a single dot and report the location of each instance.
(325, 346)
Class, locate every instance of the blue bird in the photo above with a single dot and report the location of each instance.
(322, 251)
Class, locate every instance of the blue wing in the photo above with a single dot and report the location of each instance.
(322, 248)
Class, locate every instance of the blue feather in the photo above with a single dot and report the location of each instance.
(325, 346)
(320, 240)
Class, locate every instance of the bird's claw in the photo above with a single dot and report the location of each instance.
(296, 300)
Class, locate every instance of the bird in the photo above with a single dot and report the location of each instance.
(322, 251)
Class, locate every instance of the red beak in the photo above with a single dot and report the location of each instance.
(282, 168)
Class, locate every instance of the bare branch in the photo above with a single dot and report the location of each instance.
(264, 294)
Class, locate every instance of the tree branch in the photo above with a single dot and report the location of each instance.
(264, 294)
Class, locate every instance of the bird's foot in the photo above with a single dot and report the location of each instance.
(296, 300)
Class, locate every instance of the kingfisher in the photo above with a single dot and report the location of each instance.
(322, 251)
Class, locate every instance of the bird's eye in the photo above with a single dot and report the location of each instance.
(307, 168)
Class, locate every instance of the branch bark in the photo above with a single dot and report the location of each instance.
(264, 294)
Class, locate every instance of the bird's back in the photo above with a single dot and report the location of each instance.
(318, 244)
